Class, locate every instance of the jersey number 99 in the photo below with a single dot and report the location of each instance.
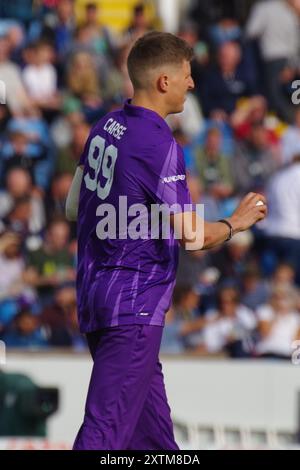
(102, 160)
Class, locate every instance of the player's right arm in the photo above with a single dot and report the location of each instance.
(72, 200)
(194, 233)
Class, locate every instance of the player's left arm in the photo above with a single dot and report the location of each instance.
(73, 195)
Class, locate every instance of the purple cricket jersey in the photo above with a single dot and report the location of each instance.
(121, 281)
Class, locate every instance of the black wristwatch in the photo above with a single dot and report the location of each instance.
(224, 221)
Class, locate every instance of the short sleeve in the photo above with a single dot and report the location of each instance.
(163, 176)
(84, 154)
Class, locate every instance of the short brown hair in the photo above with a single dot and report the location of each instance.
(153, 50)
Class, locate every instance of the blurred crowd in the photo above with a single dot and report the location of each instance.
(240, 132)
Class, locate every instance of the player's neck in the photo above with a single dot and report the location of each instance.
(146, 101)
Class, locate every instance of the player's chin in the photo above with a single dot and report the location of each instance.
(179, 108)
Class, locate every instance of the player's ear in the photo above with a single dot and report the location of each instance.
(163, 83)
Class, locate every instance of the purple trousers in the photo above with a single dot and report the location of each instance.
(126, 406)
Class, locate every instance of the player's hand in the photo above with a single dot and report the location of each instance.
(248, 212)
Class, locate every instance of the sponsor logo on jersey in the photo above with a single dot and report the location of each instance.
(173, 179)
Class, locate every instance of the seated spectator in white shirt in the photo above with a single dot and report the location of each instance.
(17, 98)
(231, 327)
(40, 77)
(278, 323)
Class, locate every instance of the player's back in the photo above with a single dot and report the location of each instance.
(125, 277)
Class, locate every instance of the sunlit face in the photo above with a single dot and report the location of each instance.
(179, 83)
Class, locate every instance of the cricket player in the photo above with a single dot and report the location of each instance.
(125, 283)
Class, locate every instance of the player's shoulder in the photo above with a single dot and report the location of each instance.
(109, 118)
(140, 132)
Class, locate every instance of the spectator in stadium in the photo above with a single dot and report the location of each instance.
(51, 264)
(181, 320)
(214, 167)
(56, 200)
(59, 27)
(139, 24)
(276, 25)
(291, 139)
(28, 145)
(18, 217)
(232, 259)
(104, 41)
(251, 112)
(25, 332)
(231, 327)
(255, 161)
(282, 225)
(40, 78)
(19, 184)
(83, 82)
(17, 98)
(188, 31)
(68, 156)
(226, 82)
(12, 265)
(284, 274)
(255, 290)
(278, 323)
(58, 318)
